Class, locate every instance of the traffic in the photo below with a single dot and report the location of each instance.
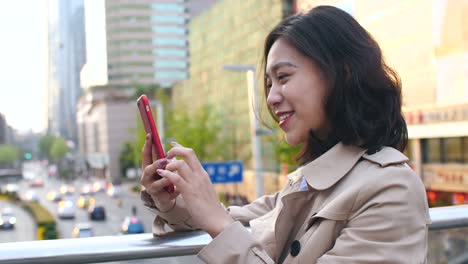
(81, 208)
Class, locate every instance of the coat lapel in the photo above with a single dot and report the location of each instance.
(333, 165)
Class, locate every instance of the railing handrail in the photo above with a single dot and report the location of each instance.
(141, 246)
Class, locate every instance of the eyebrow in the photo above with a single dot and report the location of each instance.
(279, 65)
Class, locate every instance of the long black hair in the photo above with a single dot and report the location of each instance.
(363, 99)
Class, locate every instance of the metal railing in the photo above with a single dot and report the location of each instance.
(142, 246)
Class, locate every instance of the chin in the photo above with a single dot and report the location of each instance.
(293, 141)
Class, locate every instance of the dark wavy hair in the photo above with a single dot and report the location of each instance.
(363, 99)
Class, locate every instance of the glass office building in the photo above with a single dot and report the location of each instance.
(147, 40)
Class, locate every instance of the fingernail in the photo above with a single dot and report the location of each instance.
(147, 136)
(163, 162)
(173, 143)
(159, 171)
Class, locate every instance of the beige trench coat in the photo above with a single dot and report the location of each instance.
(356, 208)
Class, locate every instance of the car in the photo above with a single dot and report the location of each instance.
(30, 196)
(82, 230)
(132, 225)
(66, 209)
(36, 182)
(86, 189)
(114, 190)
(67, 189)
(97, 212)
(7, 219)
(84, 201)
(54, 196)
(99, 186)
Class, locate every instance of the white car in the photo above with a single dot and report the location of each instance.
(66, 209)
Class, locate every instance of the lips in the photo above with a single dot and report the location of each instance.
(284, 117)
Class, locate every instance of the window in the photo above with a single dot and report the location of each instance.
(170, 52)
(170, 74)
(168, 19)
(453, 149)
(431, 150)
(170, 64)
(168, 7)
(169, 29)
(170, 41)
(96, 137)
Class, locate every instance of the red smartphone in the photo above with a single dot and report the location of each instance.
(150, 127)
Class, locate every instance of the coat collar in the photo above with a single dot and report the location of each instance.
(329, 168)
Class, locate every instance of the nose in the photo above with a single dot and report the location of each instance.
(274, 96)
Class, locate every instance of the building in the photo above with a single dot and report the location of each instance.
(66, 50)
(231, 33)
(128, 43)
(147, 40)
(107, 118)
(3, 129)
(427, 43)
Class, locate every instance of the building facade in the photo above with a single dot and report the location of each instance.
(231, 33)
(107, 118)
(66, 50)
(147, 40)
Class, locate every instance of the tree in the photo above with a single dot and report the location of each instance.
(200, 131)
(45, 144)
(59, 149)
(127, 157)
(8, 154)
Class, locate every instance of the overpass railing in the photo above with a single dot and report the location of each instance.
(446, 222)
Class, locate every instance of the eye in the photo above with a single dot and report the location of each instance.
(282, 77)
(268, 83)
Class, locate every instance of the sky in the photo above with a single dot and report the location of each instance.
(22, 63)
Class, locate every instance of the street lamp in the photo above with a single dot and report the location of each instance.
(255, 130)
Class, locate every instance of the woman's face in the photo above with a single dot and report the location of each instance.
(296, 93)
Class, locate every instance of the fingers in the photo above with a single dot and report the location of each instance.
(148, 172)
(175, 179)
(146, 156)
(181, 167)
(158, 187)
(185, 153)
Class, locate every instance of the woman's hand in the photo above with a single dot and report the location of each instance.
(153, 184)
(193, 182)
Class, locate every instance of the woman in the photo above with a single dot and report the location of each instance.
(352, 200)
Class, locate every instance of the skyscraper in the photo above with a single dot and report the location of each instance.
(147, 41)
(66, 49)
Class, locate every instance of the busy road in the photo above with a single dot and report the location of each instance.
(122, 204)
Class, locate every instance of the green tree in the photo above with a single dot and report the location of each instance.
(128, 157)
(8, 154)
(59, 149)
(45, 144)
(200, 131)
(153, 91)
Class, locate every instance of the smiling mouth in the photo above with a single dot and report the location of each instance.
(284, 118)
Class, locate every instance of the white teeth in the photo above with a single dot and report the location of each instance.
(283, 117)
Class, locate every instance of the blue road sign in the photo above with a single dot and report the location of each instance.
(224, 172)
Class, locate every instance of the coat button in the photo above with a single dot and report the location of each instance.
(295, 248)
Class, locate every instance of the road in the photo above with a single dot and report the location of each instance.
(25, 229)
(111, 226)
